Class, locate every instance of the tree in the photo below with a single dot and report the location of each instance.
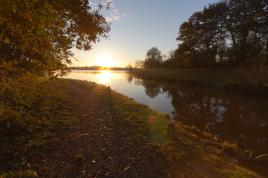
(153, 58)
(151, 89)
(139, 64)
(38, 35)
(202, 37)
(234, 31)
(246, 22)
(171, 61)
(129, 66)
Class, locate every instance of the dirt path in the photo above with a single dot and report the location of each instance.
(68, 129)
(98, 145)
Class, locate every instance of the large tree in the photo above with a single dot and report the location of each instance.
(38, 35)
(245, 22)
(202, 36)
(235, 30)
(153, 58)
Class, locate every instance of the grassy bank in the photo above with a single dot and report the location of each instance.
(229, 79)
(69, 128)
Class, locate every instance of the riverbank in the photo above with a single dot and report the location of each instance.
(70, 128)
(228, 79)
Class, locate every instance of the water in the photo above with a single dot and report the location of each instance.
(234, 118)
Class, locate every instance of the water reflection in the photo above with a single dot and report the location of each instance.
(151, 89)
(104, 76)
(229, 117)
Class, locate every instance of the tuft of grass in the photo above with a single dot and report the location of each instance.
(79, 157)
(237, 172)
(229, 148)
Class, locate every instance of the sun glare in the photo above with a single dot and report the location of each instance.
(105, 60)
(104, 77)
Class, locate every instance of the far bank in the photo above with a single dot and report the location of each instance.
(235, 80)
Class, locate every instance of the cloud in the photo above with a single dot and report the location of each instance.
(113, 16)
(113, 13)
(109, 9)
(97, 4)
(127, 13)
(106, 3)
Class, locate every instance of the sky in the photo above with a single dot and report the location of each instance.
(137, 26)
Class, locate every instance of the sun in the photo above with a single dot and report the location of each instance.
(105, 60)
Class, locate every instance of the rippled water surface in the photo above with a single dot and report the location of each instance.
(230, 117)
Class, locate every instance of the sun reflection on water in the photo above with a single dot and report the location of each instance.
(104, 77)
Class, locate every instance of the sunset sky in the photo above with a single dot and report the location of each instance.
(138, 25)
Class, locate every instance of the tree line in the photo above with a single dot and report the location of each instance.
(231, 33)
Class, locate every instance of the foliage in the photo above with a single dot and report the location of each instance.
(229, 148)
(232, 32)
(171, 61)
(201, 37)
(203, 77)
(139, 64)
(38, 36)
(227, 34)
(153, 58)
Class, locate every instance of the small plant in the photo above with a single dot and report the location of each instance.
(79, 157)
(229, 148)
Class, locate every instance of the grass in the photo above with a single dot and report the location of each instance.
(35, 111)
(144, 120)
(229, 148)
(214, 77)
(188, 154)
